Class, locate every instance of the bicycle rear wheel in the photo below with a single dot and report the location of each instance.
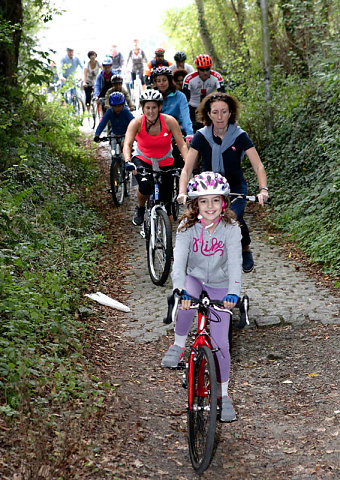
(159, 252)
(78, 106)
(117, 175)
(203, 413)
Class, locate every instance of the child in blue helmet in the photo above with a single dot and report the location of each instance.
(207, 256)
(118, 115)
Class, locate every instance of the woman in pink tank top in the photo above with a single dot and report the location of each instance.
(153, 132)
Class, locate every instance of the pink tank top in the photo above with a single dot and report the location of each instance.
(155, 146)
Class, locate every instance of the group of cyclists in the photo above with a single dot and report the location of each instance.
(188, 120)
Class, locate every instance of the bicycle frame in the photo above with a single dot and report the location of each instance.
(202, 338)
(116, 145)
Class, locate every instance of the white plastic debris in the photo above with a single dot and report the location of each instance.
(108, 301)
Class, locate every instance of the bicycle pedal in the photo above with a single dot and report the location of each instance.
(180, 366)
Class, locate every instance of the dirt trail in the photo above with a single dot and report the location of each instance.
(284, 380)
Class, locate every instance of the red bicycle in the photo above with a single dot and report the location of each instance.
(204, 402)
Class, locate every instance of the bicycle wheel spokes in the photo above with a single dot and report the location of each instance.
(203, 411)
(159, 248)
(117, 181)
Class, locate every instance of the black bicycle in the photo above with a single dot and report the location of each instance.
(120, 178)
(73, 96)
(157, 228)
(94, 114)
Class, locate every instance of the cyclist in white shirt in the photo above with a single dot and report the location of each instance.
(180, 58)
(199, 84)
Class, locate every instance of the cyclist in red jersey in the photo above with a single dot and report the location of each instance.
(153, 132)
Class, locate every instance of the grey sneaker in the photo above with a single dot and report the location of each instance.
(173, 356)
(227, 413)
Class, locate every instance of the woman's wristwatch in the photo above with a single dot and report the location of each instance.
(264, 188)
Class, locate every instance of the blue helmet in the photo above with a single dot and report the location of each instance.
(116, 98)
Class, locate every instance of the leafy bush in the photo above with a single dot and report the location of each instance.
(301, 159)
(49, 241)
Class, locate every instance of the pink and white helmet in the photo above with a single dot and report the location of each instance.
(208, 183)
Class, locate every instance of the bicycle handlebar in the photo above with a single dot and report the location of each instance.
(149, 171)
(249, 198)
(204, 301)
(110, 137)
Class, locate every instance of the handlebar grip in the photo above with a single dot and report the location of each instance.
(171, 301)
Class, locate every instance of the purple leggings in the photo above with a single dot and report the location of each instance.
(218, 330)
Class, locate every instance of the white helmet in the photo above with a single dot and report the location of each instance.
(208, 183)
(107, 61)
(151, 96)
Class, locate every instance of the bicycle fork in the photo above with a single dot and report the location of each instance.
(153, 217)
(188, 377)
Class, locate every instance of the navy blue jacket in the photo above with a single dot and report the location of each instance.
(119, 123)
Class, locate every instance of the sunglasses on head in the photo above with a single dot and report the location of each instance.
(217, 97)
(204, 69)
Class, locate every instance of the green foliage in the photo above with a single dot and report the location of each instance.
(48, 248)
(301, 154)
(181, 27)
(6, 31)
(302, 160)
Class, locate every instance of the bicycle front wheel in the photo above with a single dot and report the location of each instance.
(93, 115)
(117, 175)
(159, 248)
(203, 412)
(128, 183)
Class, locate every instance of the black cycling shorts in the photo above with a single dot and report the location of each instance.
(140, 74)
(145, 184)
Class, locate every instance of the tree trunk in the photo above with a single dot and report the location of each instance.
(240, 16)
(205, 36)
(11, 25)
(266, 61)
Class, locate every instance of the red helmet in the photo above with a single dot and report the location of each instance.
(203, 61)
(159, 51)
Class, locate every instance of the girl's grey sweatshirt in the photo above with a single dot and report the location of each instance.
(215, 259)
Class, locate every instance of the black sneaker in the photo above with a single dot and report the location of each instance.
(138, 217)
(248, 261)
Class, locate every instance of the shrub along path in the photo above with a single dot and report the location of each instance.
(284, 381)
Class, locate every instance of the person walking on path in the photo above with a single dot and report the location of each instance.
(90, 74)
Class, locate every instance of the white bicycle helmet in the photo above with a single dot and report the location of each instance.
(208, 183)
(107, 61)
(151, 96)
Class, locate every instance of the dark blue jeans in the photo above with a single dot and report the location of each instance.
(238, 208)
